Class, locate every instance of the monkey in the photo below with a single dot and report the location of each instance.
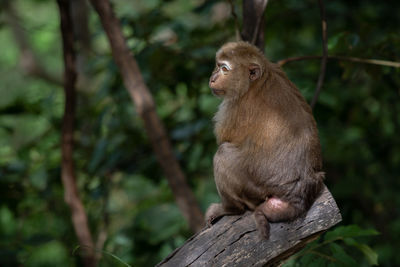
(269, 156)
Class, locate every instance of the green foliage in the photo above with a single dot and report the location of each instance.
(115, 261)
(122, 187)
(336, 248)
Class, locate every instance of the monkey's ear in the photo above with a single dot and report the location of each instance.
(255, 72)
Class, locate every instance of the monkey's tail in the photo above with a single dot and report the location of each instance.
(313, 188)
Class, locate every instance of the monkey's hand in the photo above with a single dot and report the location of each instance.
(214, 212)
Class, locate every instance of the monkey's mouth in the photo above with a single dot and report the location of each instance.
(218, 92)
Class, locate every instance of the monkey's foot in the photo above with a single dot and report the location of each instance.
(214, 212)
(210, 221)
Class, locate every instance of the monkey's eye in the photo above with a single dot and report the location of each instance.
(225, 68)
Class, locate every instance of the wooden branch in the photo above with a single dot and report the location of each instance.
(343, 58)
(235, 241)
(105, 222)
(259, 22)
(71, 196)
(324, 55)
(145, 107)
(253, 28)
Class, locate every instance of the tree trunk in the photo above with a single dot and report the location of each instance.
(253, 22)
(71, 196)
(145, 107)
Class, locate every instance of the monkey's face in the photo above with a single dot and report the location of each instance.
(220, 78)
(232, 78)
(228, 79)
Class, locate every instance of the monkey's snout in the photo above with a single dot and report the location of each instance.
(211, 83)
(213, 78)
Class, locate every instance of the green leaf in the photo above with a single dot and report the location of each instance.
(98, 155)
(371, 255)
(7, 221)
(289, 263)
(334, 40)
(340, 254)
(50, 254)
(349, 231)
(318, 262)
(168, 223)
(307, 259)
(38, 178)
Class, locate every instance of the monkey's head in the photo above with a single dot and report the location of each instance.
(239, 65)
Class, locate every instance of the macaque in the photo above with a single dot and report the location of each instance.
(269, 156)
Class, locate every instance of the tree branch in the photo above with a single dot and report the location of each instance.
(104, 225)
(259, 21)
(324, 55)
(83, 43)
(343, 58)
(235, 240)
(145, 107)
(68, 176)
(253, 28)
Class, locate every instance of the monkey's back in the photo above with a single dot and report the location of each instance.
(276, 134)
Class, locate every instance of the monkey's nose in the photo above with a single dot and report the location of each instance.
(213, 78)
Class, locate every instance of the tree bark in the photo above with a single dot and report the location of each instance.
(80, 19)
(68, 176)
(235, 241)
(145, 107)
(253, 18)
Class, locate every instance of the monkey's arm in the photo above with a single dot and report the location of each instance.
(228, 176)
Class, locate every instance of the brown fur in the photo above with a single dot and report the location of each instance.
(269, 157)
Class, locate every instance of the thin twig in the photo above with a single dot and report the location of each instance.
(103, 232)
(370, 61)
(343, 58)
(324, 54)
(68, 174)
(236, 20)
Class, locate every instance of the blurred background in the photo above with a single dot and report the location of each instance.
(129, 204)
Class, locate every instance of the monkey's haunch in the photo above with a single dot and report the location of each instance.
(276, 204)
